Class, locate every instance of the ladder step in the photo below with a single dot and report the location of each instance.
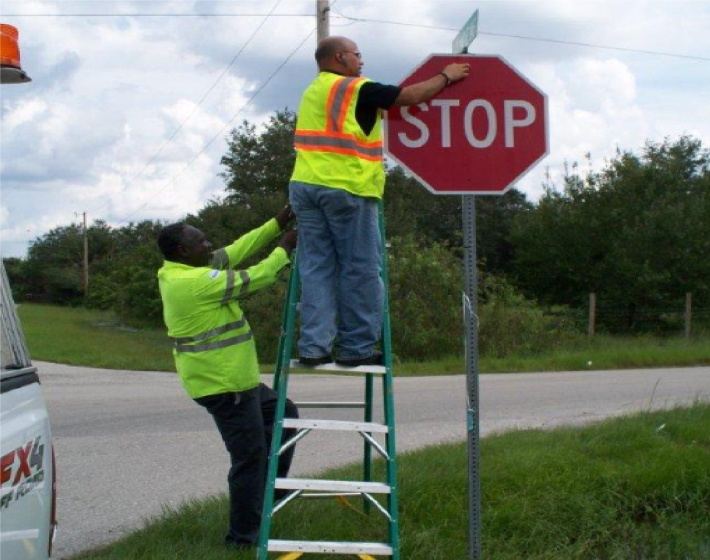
(379, 549)
(331, 485)
(330, 404)
(337, 425)
(332, 366)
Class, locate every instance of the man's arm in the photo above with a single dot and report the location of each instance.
(252, 242)
(223, 286)
(423, 91)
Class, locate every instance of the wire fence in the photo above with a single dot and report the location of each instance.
(679, 319)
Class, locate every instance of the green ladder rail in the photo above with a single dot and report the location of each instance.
(367, 428)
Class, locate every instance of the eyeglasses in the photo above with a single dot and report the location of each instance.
(357, 54)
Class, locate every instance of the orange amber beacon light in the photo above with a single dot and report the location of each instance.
(10, 68)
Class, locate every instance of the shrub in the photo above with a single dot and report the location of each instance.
(425, 295)
(513, 324)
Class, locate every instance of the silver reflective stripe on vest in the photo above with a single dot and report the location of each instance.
(229, 290)
(336, 108)
(341, 143)
(245, 283)
(220, 259)
(209, 334)
(215, 345)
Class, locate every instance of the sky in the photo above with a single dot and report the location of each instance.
(131, 102)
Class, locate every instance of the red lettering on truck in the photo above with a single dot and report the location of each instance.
(6, 466)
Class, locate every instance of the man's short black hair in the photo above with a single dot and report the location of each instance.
(170, 238)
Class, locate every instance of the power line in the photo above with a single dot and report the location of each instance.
(257, 92)
(527, 38)
(253, 96)
(136, 14)
(204, 97)
(593, 46)
(368, 20)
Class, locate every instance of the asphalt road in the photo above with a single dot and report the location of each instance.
(129, 443)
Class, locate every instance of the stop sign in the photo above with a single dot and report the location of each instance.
(478, 136)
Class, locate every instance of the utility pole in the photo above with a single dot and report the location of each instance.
(85, 268)
(323, 19)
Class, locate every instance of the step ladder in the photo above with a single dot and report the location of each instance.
(367, 489)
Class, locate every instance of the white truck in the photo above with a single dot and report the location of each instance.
(28, 497)
(27, 474)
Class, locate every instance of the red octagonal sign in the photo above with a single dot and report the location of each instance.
(478, 136)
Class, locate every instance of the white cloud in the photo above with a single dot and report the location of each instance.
(26, 111)
(107, 93)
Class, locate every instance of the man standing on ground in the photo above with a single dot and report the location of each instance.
(335, 188)
(215, 354)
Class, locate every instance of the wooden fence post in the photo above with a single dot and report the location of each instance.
(592, 313)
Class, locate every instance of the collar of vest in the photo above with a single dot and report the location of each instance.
(173, 266)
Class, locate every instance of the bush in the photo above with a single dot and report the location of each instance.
(130, 288)
(425, 305)
(425, 294)
(513, 324)
(264, 310)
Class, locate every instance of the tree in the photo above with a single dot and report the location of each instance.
(637, 232)
(125, 280)
(258, 163)
(55, 260)
(412, 210)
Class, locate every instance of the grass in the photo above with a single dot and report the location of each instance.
(86, 337)
(607, 352)
(78, 336)
(634, 488)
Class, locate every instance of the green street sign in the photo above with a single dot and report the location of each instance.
(466, 35)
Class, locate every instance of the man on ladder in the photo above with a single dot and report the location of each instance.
(335, 191)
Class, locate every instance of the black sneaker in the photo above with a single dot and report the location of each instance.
(374, 360)
(312, 362)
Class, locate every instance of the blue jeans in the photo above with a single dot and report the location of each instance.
(339, 259)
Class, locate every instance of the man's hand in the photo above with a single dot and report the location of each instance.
(424, 91)
(289, 240)
(456, 71)
(284, 216)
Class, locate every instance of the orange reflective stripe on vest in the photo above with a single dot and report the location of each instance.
(339, 101)
(338, 143)
(333, 140)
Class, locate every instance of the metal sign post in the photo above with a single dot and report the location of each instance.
(480, 136)
(470, 316)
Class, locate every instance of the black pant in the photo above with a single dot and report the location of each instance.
(246, 421)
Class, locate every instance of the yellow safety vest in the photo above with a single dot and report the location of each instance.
(332, 149)
(214, 347)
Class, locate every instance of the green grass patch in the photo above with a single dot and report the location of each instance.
(602, 352)
(85, 337)
(635, 488)
(607, 352)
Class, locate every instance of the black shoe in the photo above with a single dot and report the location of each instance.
(374, 360)
(312, 362)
